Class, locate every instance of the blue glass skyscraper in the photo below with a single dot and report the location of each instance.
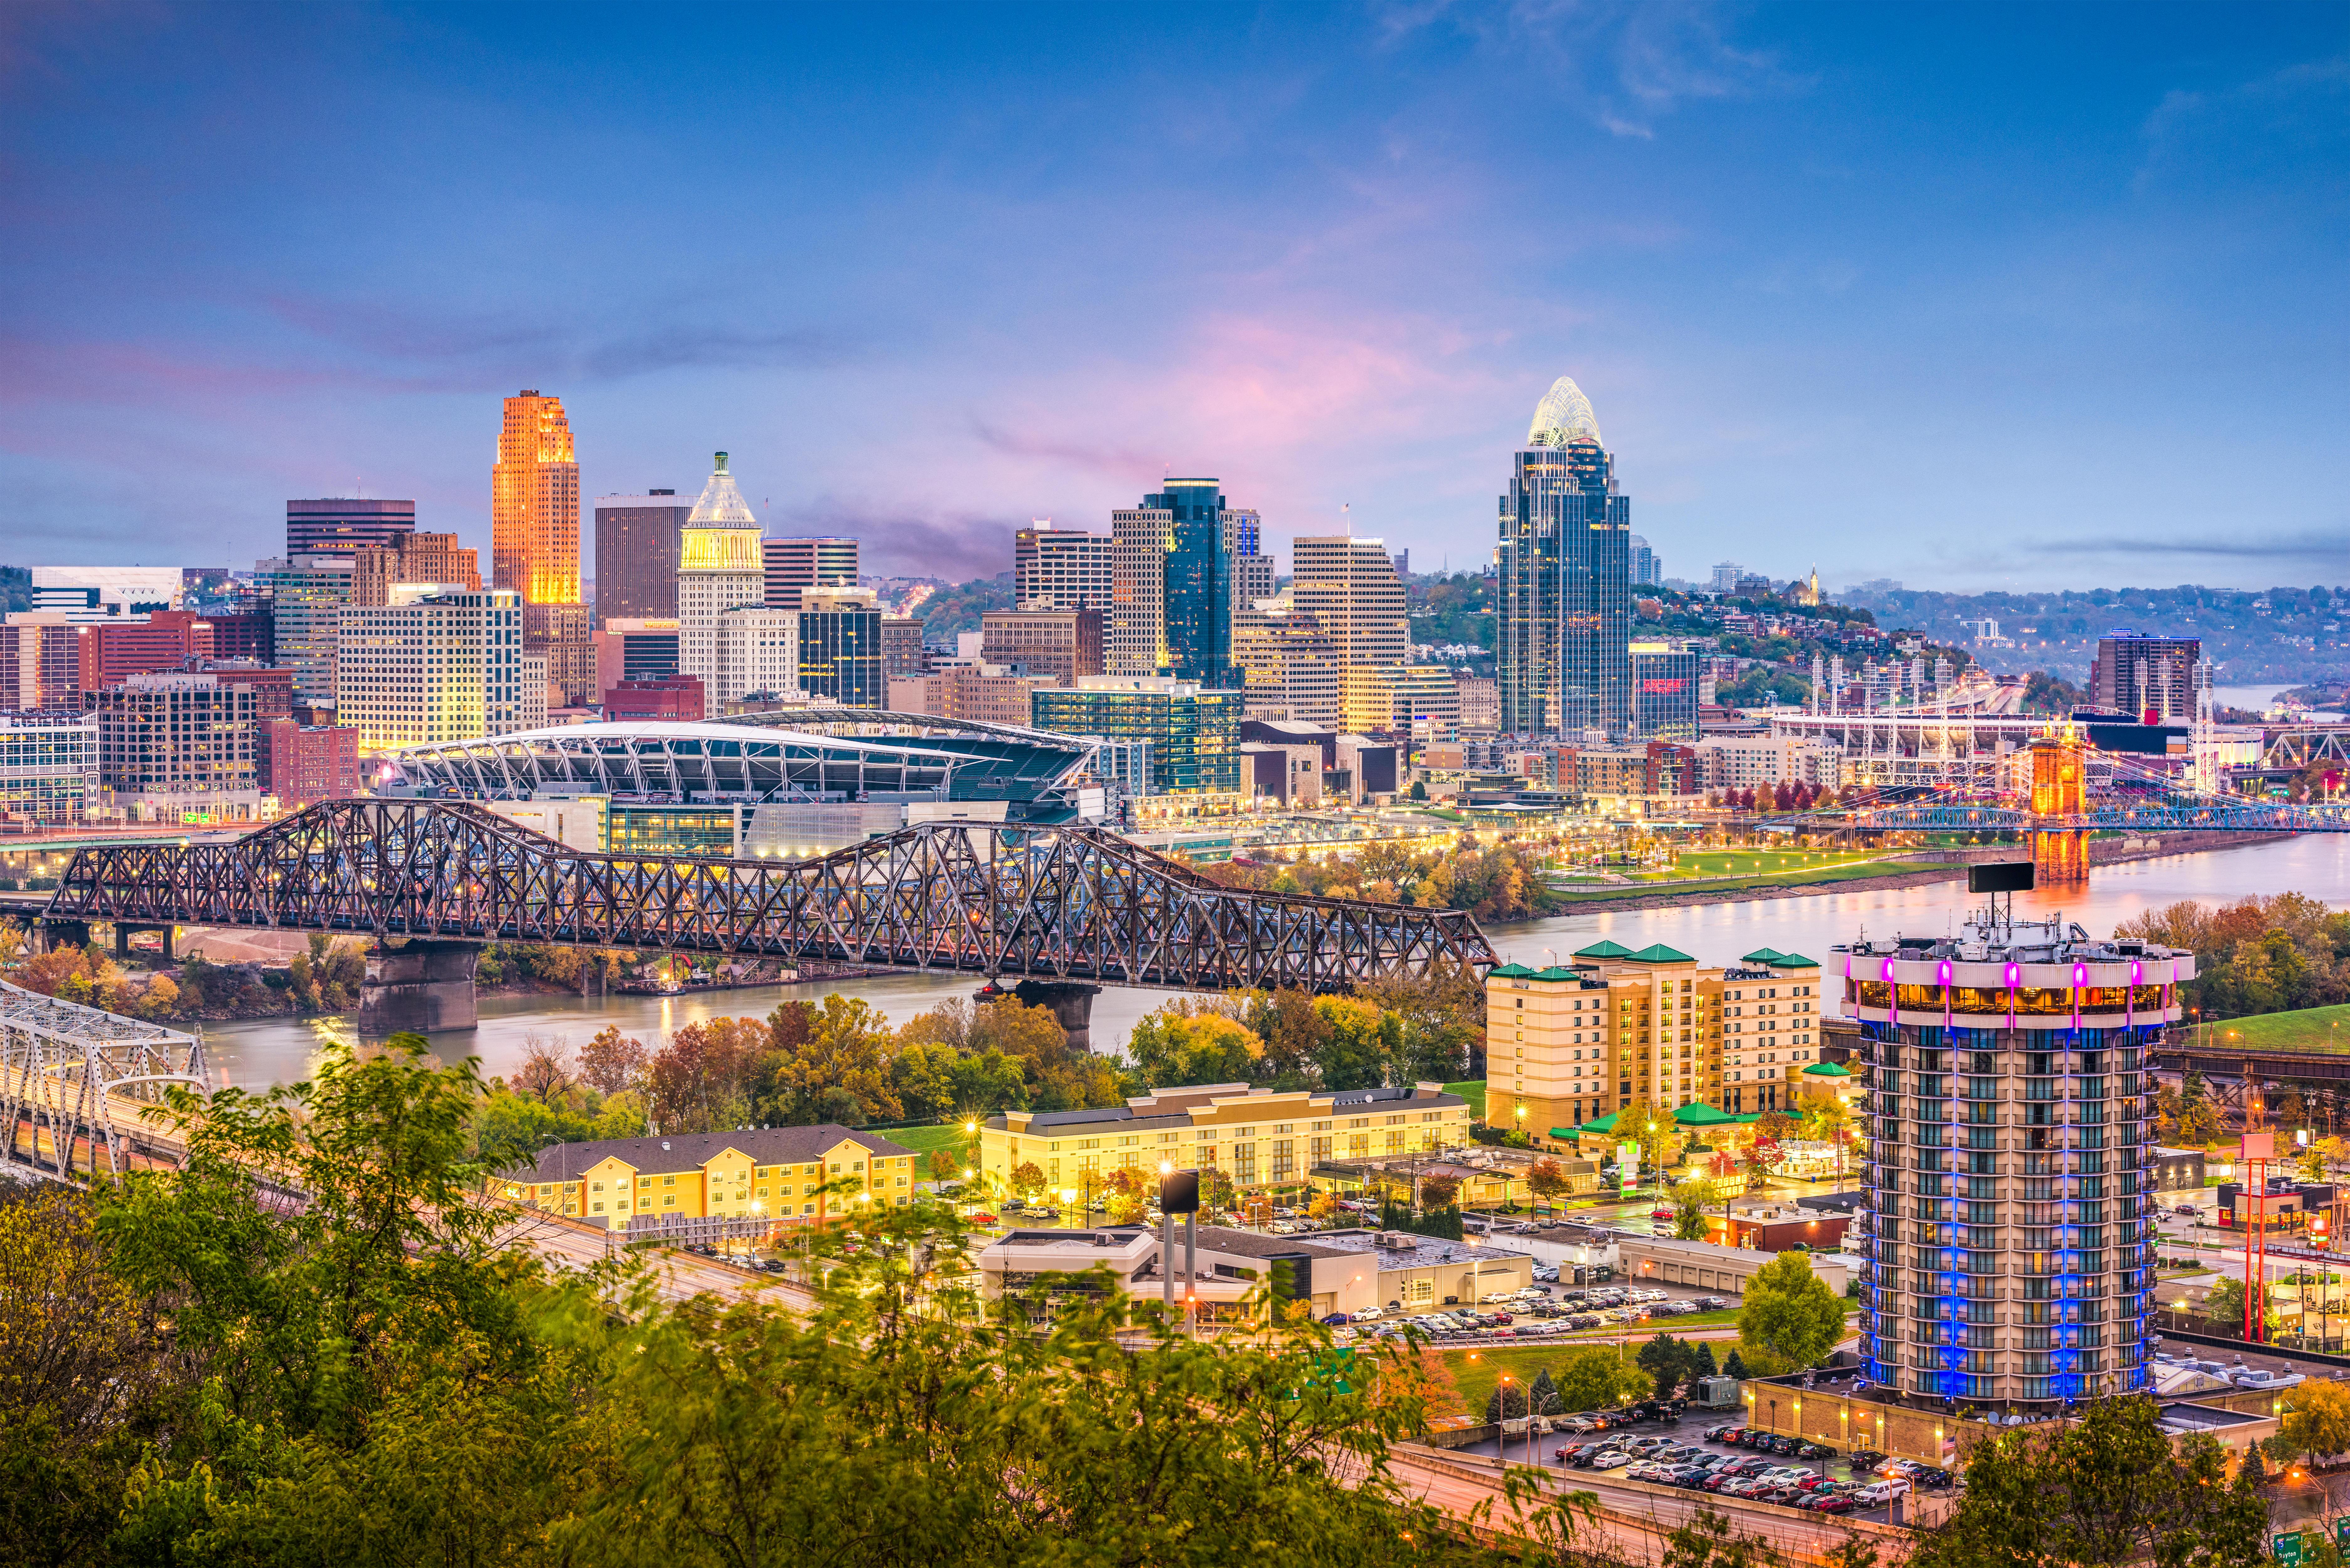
(1563, 628)
(1199, 611)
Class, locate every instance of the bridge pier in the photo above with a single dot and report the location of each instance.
(53, 934)
(425, 987)
(123, 931)
(1070, 1001)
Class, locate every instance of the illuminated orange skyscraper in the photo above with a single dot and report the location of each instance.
(534, 540)
(534, 503)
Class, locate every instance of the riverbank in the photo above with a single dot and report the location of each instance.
(1896, 874)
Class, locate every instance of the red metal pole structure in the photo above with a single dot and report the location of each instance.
(2258, 1150)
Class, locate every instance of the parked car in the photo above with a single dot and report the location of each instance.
(1863, 1459)
(1610, 1459)
(1878, 1493)
(1814, 1451)
(1724, 1433)
(985, 1219)
(1338, 1320)
(1930, 1478)
(1828, 1502)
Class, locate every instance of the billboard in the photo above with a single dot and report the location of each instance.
(1627, 1165)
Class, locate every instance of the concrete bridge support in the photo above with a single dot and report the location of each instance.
(123, 934)
(425, 986)
(1070, 1001)
(51, 935)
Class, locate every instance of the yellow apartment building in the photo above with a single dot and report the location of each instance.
(1256, 1137)
(808, 1173)
(1573, 1044)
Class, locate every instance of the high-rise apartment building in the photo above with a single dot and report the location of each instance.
(719, 567)
(2008, 1079)
(174, 739)
(1136, 637)
(1062, 568)
(1290, 668)
(534, 503)
(419, 559)
(1563, 621)
(1577, 1042)
(1194, 733)
(344, 522)
(307, 596)
(1665, 678)
(1196, 607)
(796, 566)
(636, 555)
(1349, 586)
(1061, 643)
(442, 666)
(2151, 676)
(903, 652)
(40, 662)
(48, 765)
(1644, 569)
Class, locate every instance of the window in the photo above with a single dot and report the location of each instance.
(1420, 1290)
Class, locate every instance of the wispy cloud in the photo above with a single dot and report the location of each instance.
(2295, 120)
(2310, 545)
(1629, 62)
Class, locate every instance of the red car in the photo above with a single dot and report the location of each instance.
(1662, 1216)
(985, 1220)
(1828, 1502)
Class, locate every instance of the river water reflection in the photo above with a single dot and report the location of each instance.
(281, 1050)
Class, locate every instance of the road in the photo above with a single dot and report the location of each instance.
(574, 1245)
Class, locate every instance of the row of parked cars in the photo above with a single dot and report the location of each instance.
(1926, 1477)
(1664, 1462)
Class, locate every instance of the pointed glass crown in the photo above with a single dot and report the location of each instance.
(721, 504)
(1564, 415)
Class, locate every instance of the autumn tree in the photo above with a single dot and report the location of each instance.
(546, 1070)
(1545, 1179)
(612, 1063)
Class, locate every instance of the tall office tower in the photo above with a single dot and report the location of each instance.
(758, 655)
(1403, 564)
(719, 567)
(1253, 570)
(40, 662)
(1727, 575)
(1643, 568)
(796, 566)
(307, 595)
(1665, 676)
(1062, 568)
(177, 738)
(436, 666)
(1349, 586)
(1135, 641)
(534, 503)
(1197, 606)
(1564, 622)
(636, 555)
(2152, 677)
(340, 522)
(2007, 1080)
(840, 654)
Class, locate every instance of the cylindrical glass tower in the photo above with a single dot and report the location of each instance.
(2009, 1217)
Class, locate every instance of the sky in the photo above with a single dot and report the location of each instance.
(1973, 297)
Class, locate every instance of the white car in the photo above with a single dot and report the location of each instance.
(1876, 1494)
(1610, 1460)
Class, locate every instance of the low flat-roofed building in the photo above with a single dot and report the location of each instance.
(1702, 1265)
(1336, 1271)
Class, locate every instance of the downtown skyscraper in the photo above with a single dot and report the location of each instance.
(1564, 623)
(534, 538)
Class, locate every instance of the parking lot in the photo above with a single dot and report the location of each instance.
(1676, 1451)
(1544, 1310)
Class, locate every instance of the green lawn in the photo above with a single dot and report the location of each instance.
(923, 1140)
(2309, 1029)
(1474, 1372)
(1474, 1091)
(1817, 874)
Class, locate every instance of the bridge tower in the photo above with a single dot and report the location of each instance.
(2059, 855)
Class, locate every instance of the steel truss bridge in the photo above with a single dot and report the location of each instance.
(78, 1086)
(1053, 904)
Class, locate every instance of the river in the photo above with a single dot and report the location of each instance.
(279, 1050)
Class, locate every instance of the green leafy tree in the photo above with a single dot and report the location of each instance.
(1543, 1395)
(1597, 1379)
(2108, 1488)
(1735, 1365)
(1790, 1313)
(2317, 1417)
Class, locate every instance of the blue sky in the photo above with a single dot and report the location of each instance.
(1974, 297)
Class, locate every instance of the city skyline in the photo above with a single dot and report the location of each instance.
(1865, 247)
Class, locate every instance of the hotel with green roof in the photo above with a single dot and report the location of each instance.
(1569, 1046)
